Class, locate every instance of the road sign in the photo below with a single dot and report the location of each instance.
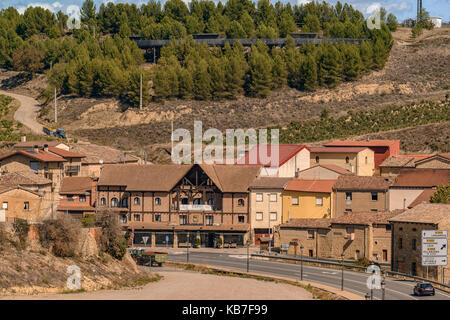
(434, 248)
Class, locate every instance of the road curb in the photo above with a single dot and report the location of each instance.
(344, 294)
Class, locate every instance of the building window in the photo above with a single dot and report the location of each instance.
(414, 229)
(211, 201)
(26, 205)
(413, 269)
(385, 255)
(259, 197)
(310, 234)
(347, 211)
(82, 198)
(311, 253)
(5, 205)
(319, 201)
(241, 219)
(295, 201)
(114, 202)
(317, 159)
(347, 160)
(157, 217)
(183, 219)
(374, 210)
(137, 201)
(259, 216)
(123, 218)
(400, 243)
(414, 244)
(137, 217)
(388, 227)
(209, 220)
(184, 201)
(34, 166)
(125, 203)
(374, 196)
(103, 201)
(240, 202)
(273, 197)
(348, 196)
(273, 216)
(357, 254)
(198, 201)
(70, 197)
(158, 201)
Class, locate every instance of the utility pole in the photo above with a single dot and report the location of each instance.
(268, 217)
(56, 111)
(301, 262)
(342, 278)
(140, 94)
(248, 255)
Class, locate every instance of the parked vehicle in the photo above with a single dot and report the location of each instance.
(58, 133)
(149, 258)
(424, 288)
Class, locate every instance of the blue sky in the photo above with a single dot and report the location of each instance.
(401, 8)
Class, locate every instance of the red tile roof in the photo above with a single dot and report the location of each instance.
(64, 153)
(325, 186)
(364, 143)
(319, 223)
(336, 149)
(40, 156)
(285, 152)
(362, 183)
(76, 185)
(425, 213)
(423, 197)
(422, 178)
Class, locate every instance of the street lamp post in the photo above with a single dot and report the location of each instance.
(301, 262)
(383, 288)
(248, 255)
(342, 278)
(187, 248)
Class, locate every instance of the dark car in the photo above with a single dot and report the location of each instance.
(423, 288)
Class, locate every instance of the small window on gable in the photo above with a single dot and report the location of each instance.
(295, 201)
(103, 201)
(26, 205)
(347, 160)
(137, 201)
(158, 201)
(241, 202)
(317, 159)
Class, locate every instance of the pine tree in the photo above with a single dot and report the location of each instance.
(352, 64)
(379, 54)
(329, 66)
(247, 24)
(134, 85)
(311, 24)
(279, 71)
(235, 69)
(366, 54)
(309, 72)
(202, 81)
(259, 74)
(216, 70)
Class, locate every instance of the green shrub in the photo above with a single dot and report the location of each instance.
(60, 235)
(88, 221)
(112, 239)
(364, 262)
(21, 227)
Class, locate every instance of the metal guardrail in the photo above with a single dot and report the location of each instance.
(442, 286)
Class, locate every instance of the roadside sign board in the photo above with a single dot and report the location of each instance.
(434, 248)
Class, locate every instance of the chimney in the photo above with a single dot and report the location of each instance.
(23, 138)
(36, 148)
(46, 147)
(297, 173)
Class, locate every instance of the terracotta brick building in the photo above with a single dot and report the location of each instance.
(175, 204)
(361, 194)
(77, 196)
(407, 238)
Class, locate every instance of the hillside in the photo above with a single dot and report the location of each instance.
(413, 72)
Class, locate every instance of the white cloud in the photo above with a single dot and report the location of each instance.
(52, 7)
(300, 2)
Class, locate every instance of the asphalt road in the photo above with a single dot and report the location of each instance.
(27, 112)
(353, 281)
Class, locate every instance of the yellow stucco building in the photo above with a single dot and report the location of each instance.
(308, 199)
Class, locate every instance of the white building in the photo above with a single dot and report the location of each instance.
(437, 21)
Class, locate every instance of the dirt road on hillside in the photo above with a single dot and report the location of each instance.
(27, 112)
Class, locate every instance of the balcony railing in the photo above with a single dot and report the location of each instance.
(72, 169)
